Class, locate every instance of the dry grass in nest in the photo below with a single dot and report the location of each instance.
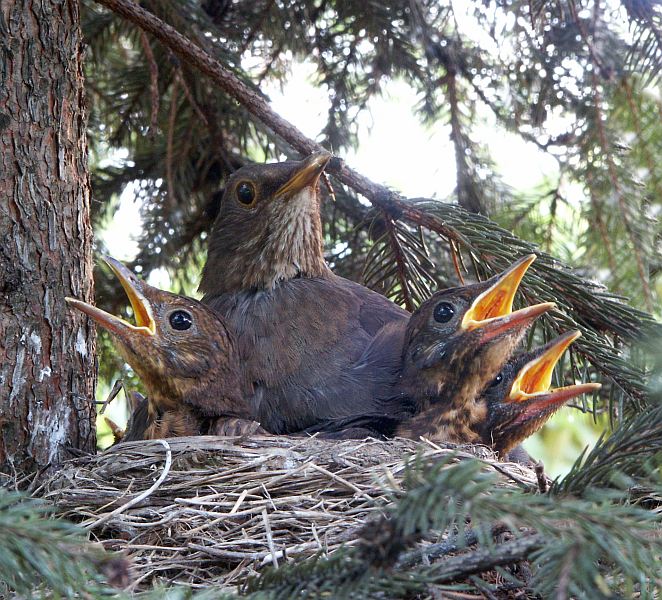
(205, 509)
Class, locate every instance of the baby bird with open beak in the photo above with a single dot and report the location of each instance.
(184, 355)
(512, 407)
(520, 399)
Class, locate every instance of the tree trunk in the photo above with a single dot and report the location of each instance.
(47, 352)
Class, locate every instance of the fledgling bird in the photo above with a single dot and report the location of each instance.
(512, 407)
(455, 344)
(184, 355)
(520, 399)
(312, 345)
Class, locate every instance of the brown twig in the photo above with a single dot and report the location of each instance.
(153, 83)
(172, 120)
(456, 263)
(191, 99)
(542, 478)
(117, 386)
(484, 560)
(399, 261)
(140, 497)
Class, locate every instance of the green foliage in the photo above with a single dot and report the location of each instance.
(52, 555)
(589, 546)
(627, 458)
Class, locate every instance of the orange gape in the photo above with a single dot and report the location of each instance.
(184, 355)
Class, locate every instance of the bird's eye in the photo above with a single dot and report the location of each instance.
(246, 193)
(443, 312)
(181, 320)
(497, 380)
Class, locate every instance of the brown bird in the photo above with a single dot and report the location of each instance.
(455, 344)
(513, 406)
(312, 345)
(519, 400)
(182, 352)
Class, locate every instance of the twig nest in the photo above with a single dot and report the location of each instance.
(202, 509)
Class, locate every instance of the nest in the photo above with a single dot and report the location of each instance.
(210, 509)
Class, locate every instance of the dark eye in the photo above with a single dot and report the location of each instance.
(443, 312)
(246, 193)
(181, 320)
(497, 380)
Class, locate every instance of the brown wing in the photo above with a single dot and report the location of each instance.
(314, 348)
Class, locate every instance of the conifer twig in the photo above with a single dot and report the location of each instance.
(153, 83)
(486, 559)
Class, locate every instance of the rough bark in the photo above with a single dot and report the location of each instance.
(47, 352)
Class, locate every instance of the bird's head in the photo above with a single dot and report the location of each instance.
(268, 228)
(463, 335)
(180, 349)
(519, 400)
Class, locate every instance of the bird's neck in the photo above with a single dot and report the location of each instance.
(445, 407)
(291, 247)
(215, 397)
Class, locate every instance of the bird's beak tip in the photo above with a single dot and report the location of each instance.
(306, 175)
(497, 300)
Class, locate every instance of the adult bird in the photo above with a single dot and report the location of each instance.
(185, 357)
(313, 345)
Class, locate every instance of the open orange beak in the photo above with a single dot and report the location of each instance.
(306, 175)
(492, 310)
(145, 323)
(532, 384)
(497, 300)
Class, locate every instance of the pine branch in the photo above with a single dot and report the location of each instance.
(253, 102)
(646, 53)
(38, 552)
(627, 457)
(623, 204)
(398, 264)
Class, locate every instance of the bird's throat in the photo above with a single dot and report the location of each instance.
(290, 246)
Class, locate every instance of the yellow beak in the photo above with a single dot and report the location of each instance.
(535, 377)
(497, 300)
(306, 175)
(145, 323)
